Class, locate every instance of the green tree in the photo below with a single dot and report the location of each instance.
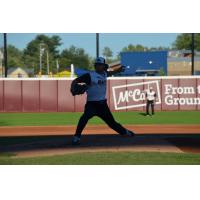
(139, 47)
(184, 41)
(32, 52)
(15, 57)
(160, 48)
(107, 53)
(162, 72)
(132, 47)
(76, 56)
(129, 48)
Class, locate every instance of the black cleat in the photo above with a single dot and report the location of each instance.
(130, 133)
(76, 140)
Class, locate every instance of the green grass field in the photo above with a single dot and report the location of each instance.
(48, 119)
(51, 119)
(105, 158)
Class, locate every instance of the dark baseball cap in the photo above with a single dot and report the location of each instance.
(100, 61)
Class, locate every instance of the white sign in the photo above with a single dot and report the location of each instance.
(133, 97)
(170, 90)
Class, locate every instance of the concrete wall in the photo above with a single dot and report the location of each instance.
(53, 95)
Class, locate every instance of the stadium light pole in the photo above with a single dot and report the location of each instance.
(97, 44)
(192, 48)
(40, 58)
(47, 62)
(41, 46)
(5, 54)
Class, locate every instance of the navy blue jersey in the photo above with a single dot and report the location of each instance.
(97, 85)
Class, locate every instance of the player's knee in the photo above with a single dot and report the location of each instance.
(86, 116)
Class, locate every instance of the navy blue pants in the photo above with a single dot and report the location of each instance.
(150, 103)
(99, 109)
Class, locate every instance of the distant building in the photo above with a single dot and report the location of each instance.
(1, 71)
(182, 66)
(177, 63)
(146, 63)
(181, 53)
(18, 72)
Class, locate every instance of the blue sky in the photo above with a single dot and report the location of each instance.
(116, 41)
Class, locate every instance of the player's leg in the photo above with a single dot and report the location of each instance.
(89, 112)
(147, 108)
(152, 107)
(105, 114)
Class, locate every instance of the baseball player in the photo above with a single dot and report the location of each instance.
(150, 95)
(96, 104)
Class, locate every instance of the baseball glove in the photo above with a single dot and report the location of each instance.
(78, 88)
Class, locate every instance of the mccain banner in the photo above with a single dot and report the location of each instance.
(172, 93)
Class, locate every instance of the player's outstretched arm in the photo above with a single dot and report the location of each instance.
(115, 70)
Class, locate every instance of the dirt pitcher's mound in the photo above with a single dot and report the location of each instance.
(56, 140)
(58, 145)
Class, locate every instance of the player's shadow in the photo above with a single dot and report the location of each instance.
(2, 123)
(140, 141)
(143, 114)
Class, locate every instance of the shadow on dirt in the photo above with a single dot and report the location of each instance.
(186, 142)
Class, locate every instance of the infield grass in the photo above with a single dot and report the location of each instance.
(51, 119)
(105, 158)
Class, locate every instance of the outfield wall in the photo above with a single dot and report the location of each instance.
(123, 94)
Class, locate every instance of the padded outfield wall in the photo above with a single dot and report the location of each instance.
(123, 94)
